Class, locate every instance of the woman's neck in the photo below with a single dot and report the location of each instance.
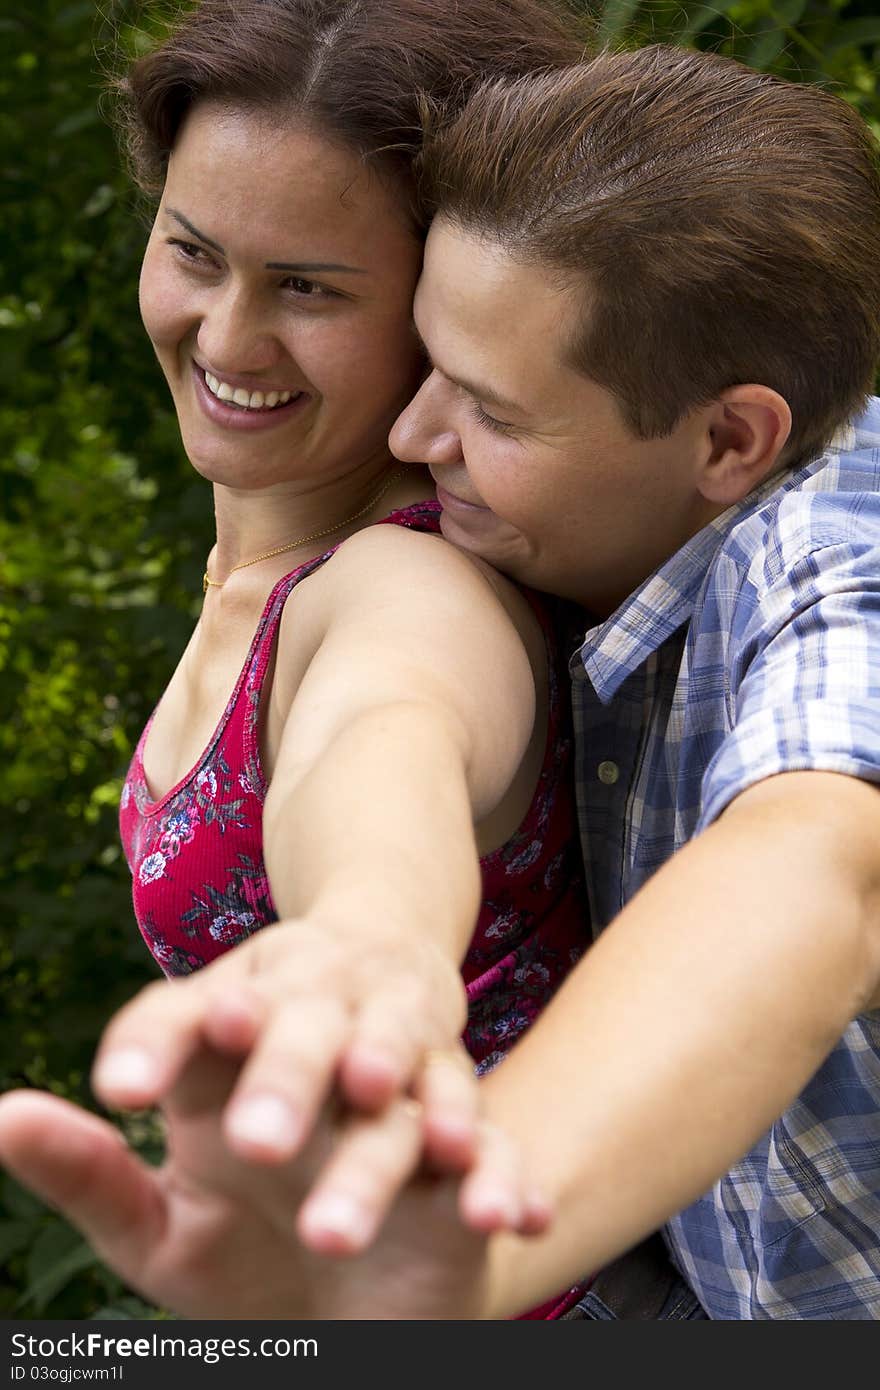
(301, 519)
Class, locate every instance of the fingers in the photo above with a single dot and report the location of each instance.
(233, 1019)
(330, 1019)
(496, 1195)
(285, 1080)
(373, 1158)
(397, 1022)
(449, 1092)
(308, 1013)
(80, 1164)
(388, 1040)
(147, 1043)
(372, 1071)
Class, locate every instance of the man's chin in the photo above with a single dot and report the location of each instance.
(493, 541)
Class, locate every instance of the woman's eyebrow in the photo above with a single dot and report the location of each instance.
(297, 266)
(194, 231)
(313, 266)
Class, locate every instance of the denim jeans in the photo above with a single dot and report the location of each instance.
(643, 1283)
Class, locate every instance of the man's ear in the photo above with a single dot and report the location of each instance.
(745, 432)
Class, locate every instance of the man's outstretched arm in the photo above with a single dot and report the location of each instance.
(697, 1017)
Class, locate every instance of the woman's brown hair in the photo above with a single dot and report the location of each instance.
(718, 225)
(355, 71)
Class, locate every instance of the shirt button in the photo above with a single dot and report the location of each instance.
(608, 773)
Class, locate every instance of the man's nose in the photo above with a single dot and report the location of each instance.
(421, 433)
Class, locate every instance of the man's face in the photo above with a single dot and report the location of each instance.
(537, 472)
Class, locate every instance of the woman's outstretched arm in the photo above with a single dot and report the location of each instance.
(407, 701)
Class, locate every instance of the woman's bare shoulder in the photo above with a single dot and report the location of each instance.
(389, 580)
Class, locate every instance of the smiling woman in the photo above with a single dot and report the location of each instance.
(387, 842)
(280, 287)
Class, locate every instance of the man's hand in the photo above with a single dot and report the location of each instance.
(208, 1235)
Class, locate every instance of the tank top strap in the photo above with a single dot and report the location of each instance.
(243, 710)
(263, 644)
(421, 516)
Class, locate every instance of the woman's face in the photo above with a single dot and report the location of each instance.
(277, 291)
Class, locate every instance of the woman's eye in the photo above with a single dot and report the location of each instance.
(306, 289)
(189, 251)
(488, 421)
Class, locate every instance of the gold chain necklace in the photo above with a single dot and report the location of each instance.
(303, 540)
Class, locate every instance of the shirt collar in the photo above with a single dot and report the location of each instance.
(617, 647)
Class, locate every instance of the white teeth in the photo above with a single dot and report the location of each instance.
(247, 400)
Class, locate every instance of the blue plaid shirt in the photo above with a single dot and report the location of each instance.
(754, 650)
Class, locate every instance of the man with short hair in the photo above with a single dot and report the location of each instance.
(650, 296)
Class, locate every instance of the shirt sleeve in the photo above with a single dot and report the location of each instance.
(804, 659)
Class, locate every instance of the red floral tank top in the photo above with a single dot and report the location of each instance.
(199, 880)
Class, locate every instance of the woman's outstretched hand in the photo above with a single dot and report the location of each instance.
(208, 1235)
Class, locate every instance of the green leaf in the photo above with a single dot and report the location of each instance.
(787, 13)
(80, 120)
(21, 1203)
(57, 1255)
(699, 19)
(71, 15)
(616, 16)
(14, 1236)
(854, 32)
(766, 49)
(103, 198)
(127, 1306)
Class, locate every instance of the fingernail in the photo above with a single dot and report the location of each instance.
(128, 1069)
(338, 1215)
(264, 1121)
(457, 1126)
(498, 1208)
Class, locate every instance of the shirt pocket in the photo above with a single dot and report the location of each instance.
(774, 1201)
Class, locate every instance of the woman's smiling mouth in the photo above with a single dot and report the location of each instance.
(236, 407)
(247, 400)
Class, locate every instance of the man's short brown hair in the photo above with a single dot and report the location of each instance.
(726, 225)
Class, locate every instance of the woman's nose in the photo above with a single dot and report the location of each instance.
(235, 334)
(421, 433)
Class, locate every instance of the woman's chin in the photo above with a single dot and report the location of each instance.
(228, 468)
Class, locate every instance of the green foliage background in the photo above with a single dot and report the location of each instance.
(104, 530)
